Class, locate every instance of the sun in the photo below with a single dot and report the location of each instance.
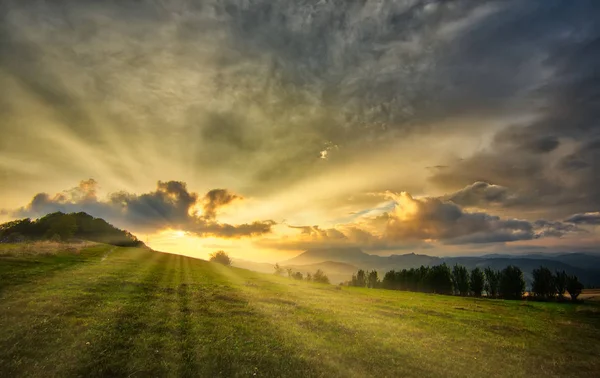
(179, 233)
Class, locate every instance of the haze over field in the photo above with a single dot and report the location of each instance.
(267, 128)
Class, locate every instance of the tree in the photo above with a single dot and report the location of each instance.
(65, 227)
(298, 276)
(439, 279)
(492, 282)
(543, 285)
(512, 283)
(477, 282)
(278, 270)
(220, 257)
(460, 280)
(574, 287)
(360, 279)
(320, 277)
(290, 272)
(560, 283)
(372, 279)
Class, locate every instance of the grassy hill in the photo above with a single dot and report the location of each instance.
(116, 311)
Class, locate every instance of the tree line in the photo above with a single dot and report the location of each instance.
(508, 283)
(319, 276)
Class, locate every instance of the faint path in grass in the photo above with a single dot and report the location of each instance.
(111, 348)
(188, 363)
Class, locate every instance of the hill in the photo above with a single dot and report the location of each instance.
(63, 227)
(127, 312)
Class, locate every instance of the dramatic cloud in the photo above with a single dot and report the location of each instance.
(487, 111)
(417, 223)
(171, 205)
(483, 195)
(585, 218)
(215, 199)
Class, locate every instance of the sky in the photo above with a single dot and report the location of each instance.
(265, 128)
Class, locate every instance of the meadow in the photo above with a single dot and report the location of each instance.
(113, 311)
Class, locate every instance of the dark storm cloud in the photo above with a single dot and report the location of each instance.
(592, 218)
(257, 90)
(359, 73)
(529, 157)
(215, 199)
(171, 205)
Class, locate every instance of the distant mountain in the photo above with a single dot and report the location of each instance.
(318, 255)
(585, 266)
(63, 227)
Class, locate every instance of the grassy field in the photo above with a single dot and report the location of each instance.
(109, 311)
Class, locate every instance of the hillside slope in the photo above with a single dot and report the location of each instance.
(130, 312)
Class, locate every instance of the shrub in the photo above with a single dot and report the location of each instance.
(220, 257)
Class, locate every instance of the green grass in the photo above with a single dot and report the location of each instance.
(125, 312)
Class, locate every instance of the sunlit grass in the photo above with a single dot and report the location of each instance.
(134, 312)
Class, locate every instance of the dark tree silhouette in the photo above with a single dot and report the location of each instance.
(460, 280)
(320, 277)
(512, 283)
(220, 257)
(439, 279)
(560, 283)
(574, 287)
(372, 279)
(543, 285)
(477, 282)
(492, 282)
(359, 279)
(278, 270)
(298, 276)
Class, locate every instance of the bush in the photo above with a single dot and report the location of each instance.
(298, 276)
(220, 257)
(512, 283)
